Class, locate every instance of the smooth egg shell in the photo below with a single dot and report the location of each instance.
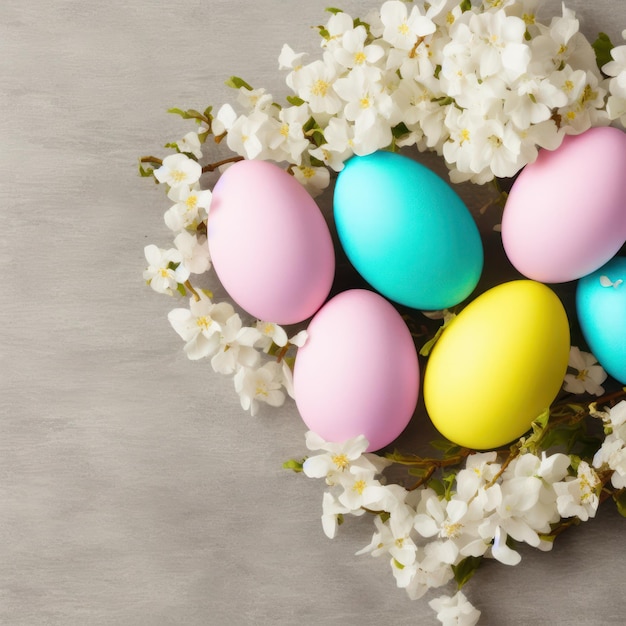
(269, 243)
(357, 373)
(601, 308)
(565, 215)
(406, 231)
(498, 365)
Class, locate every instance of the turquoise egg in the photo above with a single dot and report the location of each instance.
(601, 308)
(406, 231)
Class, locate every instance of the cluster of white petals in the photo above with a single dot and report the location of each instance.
(484, 86)
(212, 330)
(487, 508)
(612, 453)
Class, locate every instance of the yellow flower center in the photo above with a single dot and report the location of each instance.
(359, 58)
(284, 130)
(178, 175)
(204, 322)
(359, 486)
(465, 136)
(341, 461)
(191, 202)
(403, 29)
(365, 103)
(320, 88)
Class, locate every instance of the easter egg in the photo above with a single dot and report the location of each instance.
(601, 308)
(406, 231)
(498, 365)
(269, 243)
(565, 215)
(357, 373)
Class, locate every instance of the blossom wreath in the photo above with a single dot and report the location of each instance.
(490, 89)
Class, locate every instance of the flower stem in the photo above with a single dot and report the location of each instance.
(213, 166)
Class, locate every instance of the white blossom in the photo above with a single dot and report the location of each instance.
(165, 269)
(455, 611)
(578, 496)
(178, 169)
(259, 385)
(589, 374)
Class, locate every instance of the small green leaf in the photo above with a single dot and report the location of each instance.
(236, 83)
(293, 465)
(295, 101)
(173, 146)
(399, 130)
(465, 569)
(620, 501)
(145, 172)
(602, 46)
(181, 289)
(466, 5)
(180, 112)
(333, 10)
(447, 447)
(358, 22)
(323, 31)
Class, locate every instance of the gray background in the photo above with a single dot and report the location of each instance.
(133, 488)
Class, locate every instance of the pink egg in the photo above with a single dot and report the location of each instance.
(269, 243)
(357, 373)
(566, 213)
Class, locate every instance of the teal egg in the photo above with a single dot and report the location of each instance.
(406, 231)
(601, 309)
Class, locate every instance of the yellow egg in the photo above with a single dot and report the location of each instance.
(498, 365)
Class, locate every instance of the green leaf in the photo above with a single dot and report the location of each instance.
(295, 101)
(173, 146)
(620, 500)
(602, 47)
(400, 130)
(466, 5)
(181, 289)
(323, 31)
(145, 172)
(236, 83)
(293, 465)
(180, 112)
(333, 10)
(464, 570)
(447, 447)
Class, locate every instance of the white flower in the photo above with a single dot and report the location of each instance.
(236, 347)
(578, 496)
(288, 137)
(178, 169)
(339, 458)
(402, 29)
(353, 52)
(200, 326)
(165, 269)
(616, 103)
(455, 611)
(259, 385)
(589, 374)
(270, 333)
(314, 84)
(245, 135)
(393, 537)
(290, 60)
(194, 251)
(254, 98)
(332, 509)
(191, 143)
(314, 179)
(191, 207)
(498, 45)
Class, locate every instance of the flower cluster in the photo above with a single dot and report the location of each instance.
(439, 529)
(213, 330)
(484, 86)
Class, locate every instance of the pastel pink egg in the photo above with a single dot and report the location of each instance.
(269, 243)
(357, 373)
(566, 213)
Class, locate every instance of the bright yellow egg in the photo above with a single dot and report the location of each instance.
(498, 365)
